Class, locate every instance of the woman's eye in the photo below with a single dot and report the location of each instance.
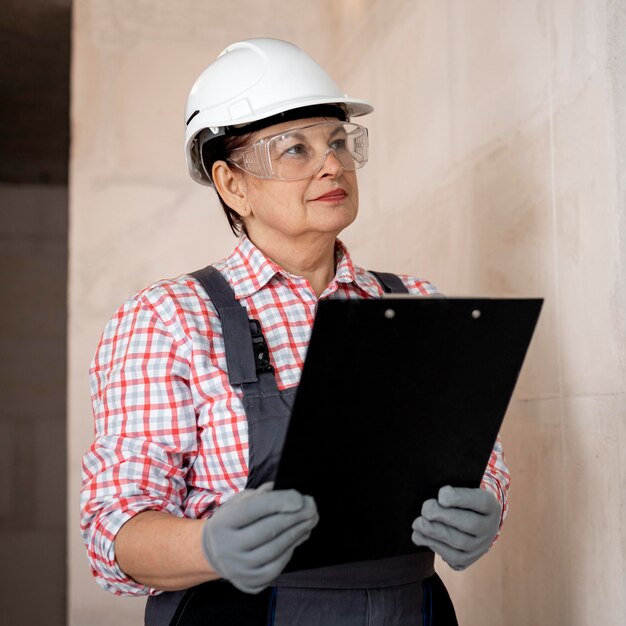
(338, 144)
(296, 150)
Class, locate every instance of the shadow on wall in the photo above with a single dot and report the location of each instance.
(34, 127)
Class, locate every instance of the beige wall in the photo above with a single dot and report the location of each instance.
(497, 167)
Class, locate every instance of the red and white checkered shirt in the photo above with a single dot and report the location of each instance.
(170, 431)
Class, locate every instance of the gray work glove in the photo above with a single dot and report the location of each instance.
(459, 526)
(251, 537)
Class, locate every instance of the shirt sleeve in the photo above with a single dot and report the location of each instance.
(145, 435)
(418, 286)
(497, 478)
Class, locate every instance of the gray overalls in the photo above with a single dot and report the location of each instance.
(400, 591)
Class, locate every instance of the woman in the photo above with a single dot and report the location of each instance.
(193, 379)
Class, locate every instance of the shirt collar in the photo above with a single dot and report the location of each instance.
(251, 270)
(347, 272)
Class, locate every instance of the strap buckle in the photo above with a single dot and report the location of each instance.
(259, 348)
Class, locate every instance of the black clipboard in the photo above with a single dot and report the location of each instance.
(398, 397)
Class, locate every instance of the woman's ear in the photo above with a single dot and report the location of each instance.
(230, 184)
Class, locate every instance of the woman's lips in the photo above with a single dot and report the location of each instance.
(331, 196)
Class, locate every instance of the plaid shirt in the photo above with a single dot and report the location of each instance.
(170, 431)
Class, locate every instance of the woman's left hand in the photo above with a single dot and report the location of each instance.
(460, 525)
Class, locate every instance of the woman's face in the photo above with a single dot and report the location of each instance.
(323, 203)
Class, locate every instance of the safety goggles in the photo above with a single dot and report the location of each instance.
(301, 152)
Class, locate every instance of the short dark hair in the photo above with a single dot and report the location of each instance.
(220, 148)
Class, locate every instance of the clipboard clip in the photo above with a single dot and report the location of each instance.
(259, 348)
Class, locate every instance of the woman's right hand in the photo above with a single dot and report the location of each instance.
(251, 537)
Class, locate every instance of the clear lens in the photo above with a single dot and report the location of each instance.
(301, 152)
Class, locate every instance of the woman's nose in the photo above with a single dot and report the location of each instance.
(331, 165)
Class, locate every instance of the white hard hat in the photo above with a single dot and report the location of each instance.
(252, 80)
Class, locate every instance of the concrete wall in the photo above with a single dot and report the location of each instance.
(497, 168)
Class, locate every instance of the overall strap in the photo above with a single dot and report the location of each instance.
(246, 350)
(389, 282)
